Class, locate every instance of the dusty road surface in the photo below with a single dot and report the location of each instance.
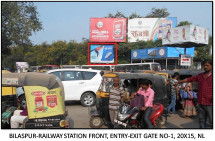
(80, 117)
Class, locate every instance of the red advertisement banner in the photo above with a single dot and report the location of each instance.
(108, 29)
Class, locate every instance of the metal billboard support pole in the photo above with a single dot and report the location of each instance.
(166, 63)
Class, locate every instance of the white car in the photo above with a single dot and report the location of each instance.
(79, 84)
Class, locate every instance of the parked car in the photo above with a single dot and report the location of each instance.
(79, 84)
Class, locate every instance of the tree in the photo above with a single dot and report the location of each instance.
(134, 15)
(19, 20)
(202, 53)
(158, 13)
(117, 15)
(182, 23)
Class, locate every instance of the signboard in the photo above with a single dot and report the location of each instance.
(186, 34)
(185, 60)
(45, 102)
(161, 52)
(144, 29)
(108, 29)
(22, 65)
(101, 53)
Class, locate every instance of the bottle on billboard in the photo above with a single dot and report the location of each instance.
(118, 29)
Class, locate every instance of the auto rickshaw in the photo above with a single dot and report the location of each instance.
(44, 99)
(8, 102)
(100, 116)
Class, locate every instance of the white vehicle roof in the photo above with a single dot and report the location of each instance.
(89, 70)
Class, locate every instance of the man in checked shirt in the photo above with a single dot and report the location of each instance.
(204, 98)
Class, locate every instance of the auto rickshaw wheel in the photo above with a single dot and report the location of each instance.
(96, 122)
(88, 99)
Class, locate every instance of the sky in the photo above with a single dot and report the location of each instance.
(68, 21)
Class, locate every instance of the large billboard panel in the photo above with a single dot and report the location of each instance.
(108, 29)
(160, 52)
(145, 29)
(185, 34)
(103, 53)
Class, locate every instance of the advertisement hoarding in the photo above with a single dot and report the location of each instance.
(145, 29)
(160, 52)
(186, 34)
(185, 60)
(20, 65)
(108, 29)
(103, 53)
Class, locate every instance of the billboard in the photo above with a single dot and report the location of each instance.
(101, 53)
(108, 29)
(160, 52)
(145, 29)
(186, 34)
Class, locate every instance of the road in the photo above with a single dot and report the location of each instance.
(80, 117)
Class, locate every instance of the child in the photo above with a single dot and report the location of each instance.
(189, 108)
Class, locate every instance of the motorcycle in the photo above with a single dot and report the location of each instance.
(128, 117)
(99, 115)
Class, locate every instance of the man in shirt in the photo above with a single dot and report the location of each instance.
(204, 98)
(148, 94)
(115, 98)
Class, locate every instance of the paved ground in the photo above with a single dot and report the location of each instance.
(80, 117)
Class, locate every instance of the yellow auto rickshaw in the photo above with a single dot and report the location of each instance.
(44, 99)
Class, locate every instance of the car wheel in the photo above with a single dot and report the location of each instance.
(96, 122)
(22, 101)
(88, 99)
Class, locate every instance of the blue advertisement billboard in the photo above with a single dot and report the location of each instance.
(101, 54)
(160, 52)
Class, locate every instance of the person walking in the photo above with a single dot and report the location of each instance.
(174, 93)
(204, 98)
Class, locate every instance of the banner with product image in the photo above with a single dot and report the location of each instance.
(108, 29)
(186, 34)
(145, 29)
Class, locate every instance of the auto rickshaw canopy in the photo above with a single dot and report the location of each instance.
(49, 81)
(44, 93)
(158, 83)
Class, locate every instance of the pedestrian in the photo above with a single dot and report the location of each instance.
(174, 93)
(204, 98)
(189, 108)
(148, 94)
(115, 98)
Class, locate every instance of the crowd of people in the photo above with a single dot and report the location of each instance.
(142, 87)
(183, 93)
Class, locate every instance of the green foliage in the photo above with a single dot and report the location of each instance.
(202, 53)
(182, 23)
(134, 15)
(158, 13)
(19, 20)
(117, 15)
